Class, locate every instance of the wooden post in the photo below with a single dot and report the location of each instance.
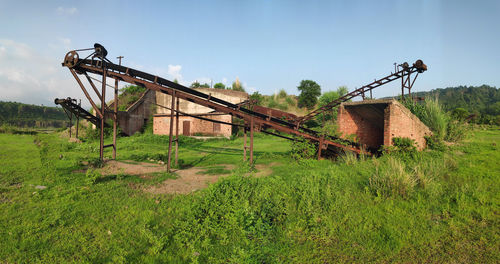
(177, 132)
(115, 118)
(245, 144)
(171, 131)
(103, 109)
(251, 140)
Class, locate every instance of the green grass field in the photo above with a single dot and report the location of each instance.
(431, 207)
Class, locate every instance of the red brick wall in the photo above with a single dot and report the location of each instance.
(398, 122)
(161, 125)
(366, 132)
(402, 123)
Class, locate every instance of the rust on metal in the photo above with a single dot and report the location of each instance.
(255, 117)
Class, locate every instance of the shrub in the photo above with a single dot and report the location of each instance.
(257, 98)
(434, 143)
(282, 93)
(289, 100)
(272, 103)
(404, 144)
(302, 150)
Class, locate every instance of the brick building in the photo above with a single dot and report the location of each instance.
(189, 125)
(376, 122)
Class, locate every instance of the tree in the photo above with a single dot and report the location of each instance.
(257, 98)
(196, 84)
(309, 92)
(328, 97)
(219, 86)
(237, 86)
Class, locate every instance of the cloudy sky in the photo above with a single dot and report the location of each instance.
(268, 45)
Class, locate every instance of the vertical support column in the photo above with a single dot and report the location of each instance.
(103, 112)
(409, 86)
(402, 85)
(70, 123)
(371, 96)
(245, 144)
(171, 131)
(251, 140)
(320, 147)
(78, 119)
(177, 132)
(115, 118)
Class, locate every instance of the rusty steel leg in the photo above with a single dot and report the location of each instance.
(103, 119)
(245, 144)
(320, 146)
(78, 119)
(402, 86)
(115, 118)
(98, 112)
(251, 140)
(177, 132)
(171, 131)
(70, 123)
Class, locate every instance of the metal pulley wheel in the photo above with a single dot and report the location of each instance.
(71, 59)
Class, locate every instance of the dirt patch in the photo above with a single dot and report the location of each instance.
(265, 169)
(188, 180)
(113, 167)
(193, 179)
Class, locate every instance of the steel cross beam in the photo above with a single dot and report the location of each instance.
(405, 71)
(261, 120)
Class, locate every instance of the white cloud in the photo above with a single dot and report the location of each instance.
(174, 72)
(67, 10)
(28, 76)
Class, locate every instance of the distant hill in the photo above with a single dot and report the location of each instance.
(27, 115)
(475, 99)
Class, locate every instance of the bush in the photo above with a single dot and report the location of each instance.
(404, 144)
(435, 143)
(302, 150)
(282, 93)
(289, 100)
(257, 98)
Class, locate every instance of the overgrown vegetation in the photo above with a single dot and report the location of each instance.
(480, 103)
(445, 126)
(431, 207)
(129, 95)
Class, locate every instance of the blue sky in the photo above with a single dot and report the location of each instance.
(268, 45)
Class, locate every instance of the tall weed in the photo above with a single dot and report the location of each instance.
(392, 179)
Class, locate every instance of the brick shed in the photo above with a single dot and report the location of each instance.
(376, 122)
(191, 126)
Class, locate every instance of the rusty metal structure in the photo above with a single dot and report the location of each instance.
(267, 120)
(403, 72)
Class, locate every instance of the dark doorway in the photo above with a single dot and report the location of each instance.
(216, 128)
(186, 125)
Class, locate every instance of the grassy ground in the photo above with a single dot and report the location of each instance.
(429, 207)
